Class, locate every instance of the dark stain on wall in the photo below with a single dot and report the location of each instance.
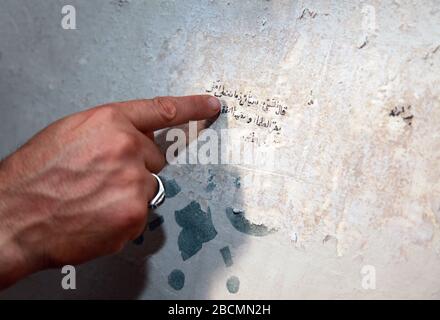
(240, 223)
(171, 187)
(227, 256)
(233, 284)
(197, 228)
(154, 224)
(176, 279)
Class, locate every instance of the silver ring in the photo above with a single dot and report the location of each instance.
(160, 195)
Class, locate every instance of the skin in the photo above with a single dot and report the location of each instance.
(79, 188)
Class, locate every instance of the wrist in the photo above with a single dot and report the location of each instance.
(13, 264)
(16, 261)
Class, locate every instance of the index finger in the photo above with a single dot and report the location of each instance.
(162, 112)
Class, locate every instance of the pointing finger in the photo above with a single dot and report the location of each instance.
(162, 112)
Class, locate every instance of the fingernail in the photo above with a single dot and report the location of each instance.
(214, 103)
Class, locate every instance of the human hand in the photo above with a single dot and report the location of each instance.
(80, 188)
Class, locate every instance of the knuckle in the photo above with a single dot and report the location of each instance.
(161, 162)
(125, 143)
(108, 114)
(135, 215)
(134, 174)
(165, 107)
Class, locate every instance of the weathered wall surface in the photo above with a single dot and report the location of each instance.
(357, 180)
